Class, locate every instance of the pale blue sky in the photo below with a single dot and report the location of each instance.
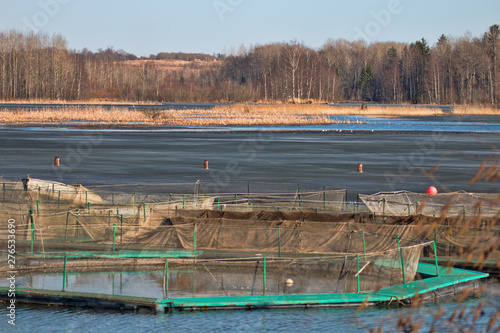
(220, 26)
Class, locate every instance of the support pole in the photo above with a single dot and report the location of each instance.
(264, 277)
(66, 231)
(357, 270)
(194, 283)
(183, 202)
(88, 207)
(32, 230)
(38, 206)
(279, 241)
(121, 228)
(77, 224)
(64, 273)
(383, 210)
(357, 203)
(324, 198)
(194, 239)
(114, 237)
(298, 193)
(436, 258)
(345, 200)
(165, 293)
(364, 244)
(144, 209)
(402, 260)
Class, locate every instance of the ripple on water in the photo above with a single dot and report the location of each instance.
(43, 319)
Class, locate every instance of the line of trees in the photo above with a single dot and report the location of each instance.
(453, 71)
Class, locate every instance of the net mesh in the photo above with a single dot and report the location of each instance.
(403, 203)
(312, 237)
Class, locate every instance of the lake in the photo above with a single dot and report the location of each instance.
(395, 155)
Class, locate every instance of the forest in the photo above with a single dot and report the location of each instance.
(451, 70)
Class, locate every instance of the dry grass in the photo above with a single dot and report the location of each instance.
(324, 109)
(120, 116)
(172, 65)
(234, 115)
(475, 110)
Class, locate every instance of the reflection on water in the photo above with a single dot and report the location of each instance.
(205, 281)
(60, 319)
(458, 124)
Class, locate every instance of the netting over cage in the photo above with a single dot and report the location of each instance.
(403, 203)
(225, 237)
(47, 196)
(321, 257)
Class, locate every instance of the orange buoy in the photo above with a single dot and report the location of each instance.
(431, 190)
(205, 164)
(57, 161)
(360, 167)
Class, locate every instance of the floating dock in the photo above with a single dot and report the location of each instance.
(492, 267)
(436, 282)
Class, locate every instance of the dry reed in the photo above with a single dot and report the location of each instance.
(95, 115)
(223, 115)
(475, 110)
(325, 109)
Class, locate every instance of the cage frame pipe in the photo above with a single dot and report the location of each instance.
(64, 273)
(264, 277)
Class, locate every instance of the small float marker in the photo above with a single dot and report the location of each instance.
(360, 167)
(431, 190)
(205, 164)
(289, 282)
(57, 161)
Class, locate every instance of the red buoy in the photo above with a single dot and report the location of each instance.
(431, 190)
(205, 164)
(360, 167)
(57, 161)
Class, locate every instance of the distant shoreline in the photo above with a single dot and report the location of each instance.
(111, 116)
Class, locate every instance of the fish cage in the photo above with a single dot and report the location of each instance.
(459, 203)
(235, 259)
(202, 244)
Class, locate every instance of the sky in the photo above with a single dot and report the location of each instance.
(223, 26)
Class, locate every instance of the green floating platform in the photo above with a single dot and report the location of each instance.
(491, 267)
(447, 282)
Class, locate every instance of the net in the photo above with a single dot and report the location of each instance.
(403, 203)
(239, 243)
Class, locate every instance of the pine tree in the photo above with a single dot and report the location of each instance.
(367, 83)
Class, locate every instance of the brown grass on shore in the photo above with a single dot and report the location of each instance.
(121, 116)
(234, 115)
(475, 110)
(324, 109)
